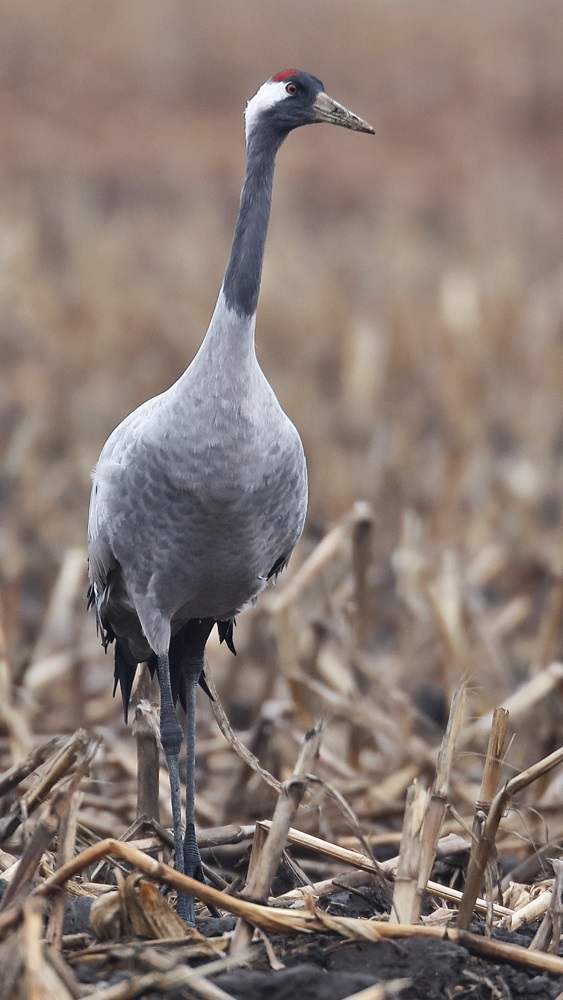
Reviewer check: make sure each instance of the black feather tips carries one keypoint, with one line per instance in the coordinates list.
(193, 634)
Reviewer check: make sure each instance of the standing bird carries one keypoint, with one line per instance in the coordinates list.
(200, 494)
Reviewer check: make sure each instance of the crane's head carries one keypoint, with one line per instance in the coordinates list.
(293, 98)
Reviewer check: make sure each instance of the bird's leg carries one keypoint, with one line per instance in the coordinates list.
(171, 737)
(192, 858)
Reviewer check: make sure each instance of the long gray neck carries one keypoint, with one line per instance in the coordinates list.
(242, 277)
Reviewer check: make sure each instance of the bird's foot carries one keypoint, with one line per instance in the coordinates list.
(192, 857)
(190, 864)
(185, 908)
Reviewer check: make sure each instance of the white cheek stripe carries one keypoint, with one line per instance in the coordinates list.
(268, 95)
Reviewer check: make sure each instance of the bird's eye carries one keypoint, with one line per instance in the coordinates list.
(290, 89)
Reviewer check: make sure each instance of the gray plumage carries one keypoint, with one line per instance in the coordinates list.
(200, 494)
(196, 495)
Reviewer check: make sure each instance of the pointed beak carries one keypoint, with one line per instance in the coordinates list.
(328, 110)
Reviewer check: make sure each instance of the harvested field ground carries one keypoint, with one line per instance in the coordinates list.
(411, 323)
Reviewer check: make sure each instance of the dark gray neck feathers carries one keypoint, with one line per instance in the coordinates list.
(241, 284)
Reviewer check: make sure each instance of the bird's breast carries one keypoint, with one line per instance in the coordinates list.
(202, 502)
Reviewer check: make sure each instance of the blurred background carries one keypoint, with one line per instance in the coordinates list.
(411, 313)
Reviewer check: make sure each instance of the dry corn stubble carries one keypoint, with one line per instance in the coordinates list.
(420, 357)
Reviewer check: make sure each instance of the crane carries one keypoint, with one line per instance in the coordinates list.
(199, 495)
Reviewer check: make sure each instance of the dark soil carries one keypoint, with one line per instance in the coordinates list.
(438, 969)
(325, 967)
